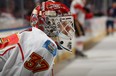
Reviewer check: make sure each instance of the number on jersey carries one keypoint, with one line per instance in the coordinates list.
(36, 63)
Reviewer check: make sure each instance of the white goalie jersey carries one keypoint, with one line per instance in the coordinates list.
(33, 55)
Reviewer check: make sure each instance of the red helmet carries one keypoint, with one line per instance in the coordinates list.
(48, 8)
(54, 18)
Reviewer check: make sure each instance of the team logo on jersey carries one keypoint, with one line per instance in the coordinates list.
(50, 47)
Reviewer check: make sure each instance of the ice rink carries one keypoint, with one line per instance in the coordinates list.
(101, 61)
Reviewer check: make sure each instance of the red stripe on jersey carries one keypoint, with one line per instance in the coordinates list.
(21, 51)
(12, 48)
(7, 51)
(78, 6)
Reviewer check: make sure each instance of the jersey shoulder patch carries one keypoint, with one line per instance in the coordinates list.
(50, 46)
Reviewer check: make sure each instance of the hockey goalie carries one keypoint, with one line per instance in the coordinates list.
(32, 52)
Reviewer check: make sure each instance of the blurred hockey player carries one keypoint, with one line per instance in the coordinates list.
(77, 10)
(32, 52)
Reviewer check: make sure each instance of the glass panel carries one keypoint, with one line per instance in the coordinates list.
(16, 13)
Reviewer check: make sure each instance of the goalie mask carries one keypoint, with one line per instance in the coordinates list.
(55, 20)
